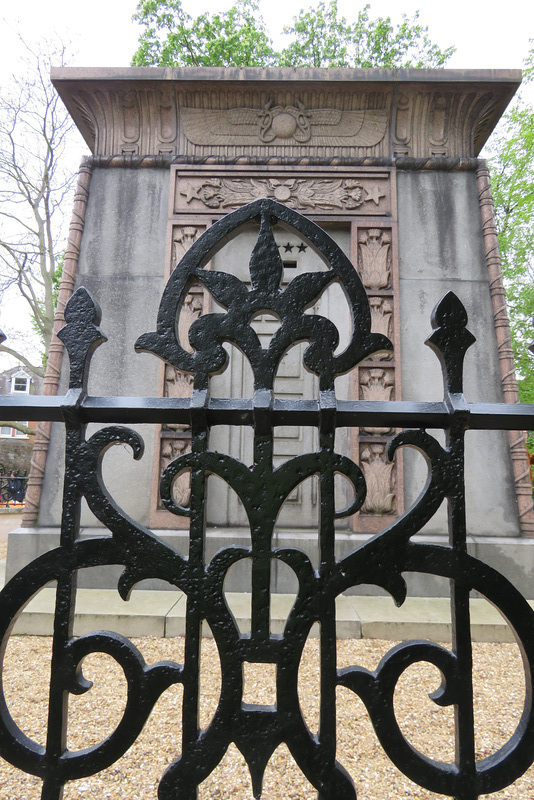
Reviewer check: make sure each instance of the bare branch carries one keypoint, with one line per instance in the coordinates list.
(18, 426)
(34, 132)
(38, 370)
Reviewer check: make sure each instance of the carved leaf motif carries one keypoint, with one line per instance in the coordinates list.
(374, 254)
(130, 116)
(190, 311)
(381, 311)
(182, 239)
(377, 384)
(171, 449)
(381, 316)
(380, 498)
(177, 383)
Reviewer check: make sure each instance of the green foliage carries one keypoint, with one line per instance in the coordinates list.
(172, 38)
(320, 37)
(323, 38)
(512, 176)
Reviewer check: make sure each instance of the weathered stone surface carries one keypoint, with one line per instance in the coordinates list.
(285, 112)
(176, 149)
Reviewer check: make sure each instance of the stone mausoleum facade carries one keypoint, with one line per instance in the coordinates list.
(384, 160)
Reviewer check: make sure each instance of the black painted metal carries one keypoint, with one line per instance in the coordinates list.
(381, 560)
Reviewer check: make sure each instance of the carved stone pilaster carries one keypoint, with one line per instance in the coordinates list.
(382, 321)
(381, 315)
(177, 383)
(176, 438)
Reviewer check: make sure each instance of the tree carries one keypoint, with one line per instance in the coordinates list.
(511, 162)
(34, 184)
(323, 38)
(320, 38)
(172, 38)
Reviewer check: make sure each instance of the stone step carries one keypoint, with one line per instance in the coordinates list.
(162, 613)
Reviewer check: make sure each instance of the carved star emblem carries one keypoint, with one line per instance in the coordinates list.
(191, 193)
(302, 247)
(288, 248)
(374, 194)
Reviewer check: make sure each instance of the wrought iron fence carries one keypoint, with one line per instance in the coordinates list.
(12, 489)
(262, 489)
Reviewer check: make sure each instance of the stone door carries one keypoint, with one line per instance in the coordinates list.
(293, 381)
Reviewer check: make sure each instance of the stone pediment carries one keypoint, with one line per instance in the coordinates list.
(230, 114)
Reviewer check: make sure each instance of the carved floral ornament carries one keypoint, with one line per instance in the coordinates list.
(374, 258)
(321, 194)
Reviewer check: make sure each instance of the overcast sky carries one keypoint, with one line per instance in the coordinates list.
(487, 36)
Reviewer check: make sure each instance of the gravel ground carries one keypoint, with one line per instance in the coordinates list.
(499, 690)
(3, 550)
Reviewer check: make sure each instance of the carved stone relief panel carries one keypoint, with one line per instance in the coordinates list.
(379, 477)
(377, 384)
(348, 193)
(283, 125)
(183, 237)
(171, 448)
(374, 258)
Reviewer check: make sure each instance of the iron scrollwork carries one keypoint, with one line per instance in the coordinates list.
(382, 560)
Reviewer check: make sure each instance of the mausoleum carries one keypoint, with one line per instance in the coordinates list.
(387, 162)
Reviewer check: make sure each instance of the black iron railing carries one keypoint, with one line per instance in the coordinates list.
(12, 489)
(262, 489)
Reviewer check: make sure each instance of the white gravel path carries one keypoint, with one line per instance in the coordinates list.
(499, 690)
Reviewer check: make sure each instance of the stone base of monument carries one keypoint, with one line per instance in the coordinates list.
(511, 556)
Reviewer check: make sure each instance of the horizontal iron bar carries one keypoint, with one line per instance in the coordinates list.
(349, 413)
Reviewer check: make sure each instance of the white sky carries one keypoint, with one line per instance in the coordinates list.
(486, 35)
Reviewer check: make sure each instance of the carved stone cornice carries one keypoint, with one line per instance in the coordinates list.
(224, 113)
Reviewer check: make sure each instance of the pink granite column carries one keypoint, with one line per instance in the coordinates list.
(506, 357)
(55, 352)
